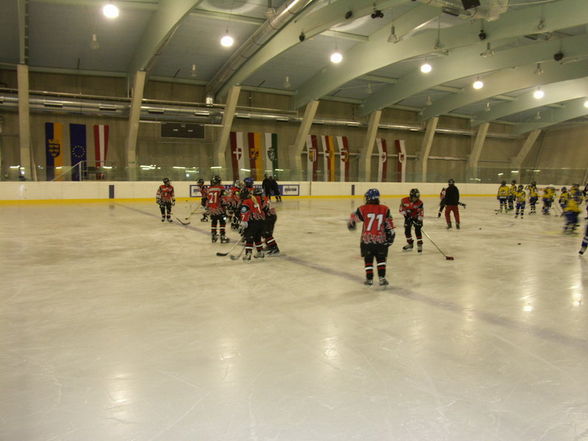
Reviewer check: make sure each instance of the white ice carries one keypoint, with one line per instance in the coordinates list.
(114, 326)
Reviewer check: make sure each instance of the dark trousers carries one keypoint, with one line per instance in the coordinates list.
(165, 206)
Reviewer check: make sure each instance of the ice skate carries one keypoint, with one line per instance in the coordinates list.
(214, 238)
(449, 226)
(383, 281)
(224, 239)
(457, 226)
(582, 251)
(247, 256)
(273, 252)
(162, 218)
(169, 219)
(408, 247)
(368, 282)
(259, 255)
(420, 247)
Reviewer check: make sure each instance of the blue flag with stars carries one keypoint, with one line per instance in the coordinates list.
(77, 139)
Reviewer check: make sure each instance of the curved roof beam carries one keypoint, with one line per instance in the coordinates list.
(506, 81)
(315, 23)
(160, 28)
(554, 93)
(573, 109)
(465, 62)
(378, 53)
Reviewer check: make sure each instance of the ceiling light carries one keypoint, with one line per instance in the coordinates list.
(227, 41)
(428, 101)
(287, 83)
(94, 43)
(538, 94)
(393, 38)
(586, 104)
(488, 107)
(336, 57)
(538, 116)
(478, 84)
(193, 71)
(539, 70)
(426, 68)
(110, 11)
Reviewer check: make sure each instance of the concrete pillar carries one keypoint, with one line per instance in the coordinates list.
(295, 151)
(219, 156)
(24, 121)
(474, 158)
(426, 146)
(133, 128)
(365, 156)
(517, 161)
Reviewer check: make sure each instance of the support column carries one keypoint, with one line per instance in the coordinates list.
(474, 158)
(517, 161)
(134, 116)
(24, 121)
(219, 157)
(426, 146)
(295, 151)
(365, 156)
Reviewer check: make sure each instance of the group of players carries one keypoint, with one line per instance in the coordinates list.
(514, 197)
(243, 205)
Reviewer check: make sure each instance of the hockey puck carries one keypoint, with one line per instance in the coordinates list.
(449, 258)
(518, 243)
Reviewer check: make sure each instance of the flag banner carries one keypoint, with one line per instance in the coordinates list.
(53, 148)
(312, 157)
(343, 144)
(238, 155)
(328, 143)
(100, 146)
(271, 152)
(253, 154)
(401, 164)
(382, 159)
(77, 141)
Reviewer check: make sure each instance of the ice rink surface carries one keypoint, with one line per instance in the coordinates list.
(114, 326)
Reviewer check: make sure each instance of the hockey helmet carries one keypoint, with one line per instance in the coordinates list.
(513, 182)
(415, 194)
(563, 189)
(248, 182)
(372, 194)
(238, 183)
(451, 181)
(201, 181)
(244, 193)
(166, 181)
(503, 183)
(521, 187)
(257, 191)
(216, 180)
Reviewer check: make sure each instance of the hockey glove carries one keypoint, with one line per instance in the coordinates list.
(173, 202)
(390, 235)
(351, 225)
(158, 201)
(243, 226)
(417, 223)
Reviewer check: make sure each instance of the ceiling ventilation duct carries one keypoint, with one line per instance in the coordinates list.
(488, 9)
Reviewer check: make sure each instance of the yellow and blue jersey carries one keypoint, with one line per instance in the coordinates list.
(503, 191)
(520, 196)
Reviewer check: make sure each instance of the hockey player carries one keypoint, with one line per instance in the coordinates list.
(268, 227)
(411, 207)
(452, 204)
(376, 236)
(232, 203)
(548, 195)
(572, 209)
(520, 199)
(533, 196)
(511, 194)
(252, 222)
(203, 191)
(216, 210)
(442, 202)
(584, 241)
(502, 195)
(563, 199)
(165, 198)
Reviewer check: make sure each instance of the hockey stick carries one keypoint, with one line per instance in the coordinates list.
(436, 246)
(238, 255)
(240, 242)
(181, 221)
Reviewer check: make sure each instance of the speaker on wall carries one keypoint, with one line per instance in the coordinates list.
(469, 4)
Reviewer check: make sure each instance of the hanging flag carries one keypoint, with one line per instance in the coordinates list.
(312, 161)
(328, 143)
(271, 152)
(255, 145)
(382, 159)
(100, 146)
(77, 141)
(237, 155)
(53, 148)
(343, 145)
(401, 164)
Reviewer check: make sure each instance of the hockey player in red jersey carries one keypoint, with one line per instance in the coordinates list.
(411, 208)
(165, 198)
(252, 221)
(203, 195)
(216, 210)
(268, 227)
(376, 236)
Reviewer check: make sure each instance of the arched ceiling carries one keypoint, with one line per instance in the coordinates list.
(179, 40)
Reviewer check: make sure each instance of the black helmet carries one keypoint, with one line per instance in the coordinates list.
(257, 191)
(201, 181)
(503, 183)
(166, 180)
(451, 181)
(216, 180)
(244, 193)
(415, 193)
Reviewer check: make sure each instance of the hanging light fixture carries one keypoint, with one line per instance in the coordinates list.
(488, 106)
(336, 57)
(94, 42)
(426, 68)
(286, 83)
(478, 84)
(428, 101)
(539, 69)
(193, 71)
(227, 40)
(110, 11)
(538, 93)
(586, 104)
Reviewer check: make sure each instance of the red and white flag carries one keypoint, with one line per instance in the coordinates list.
(238, 154)
(312, 162)
(401, 164)
(101, 144)
(382, 159)
(343, 145)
